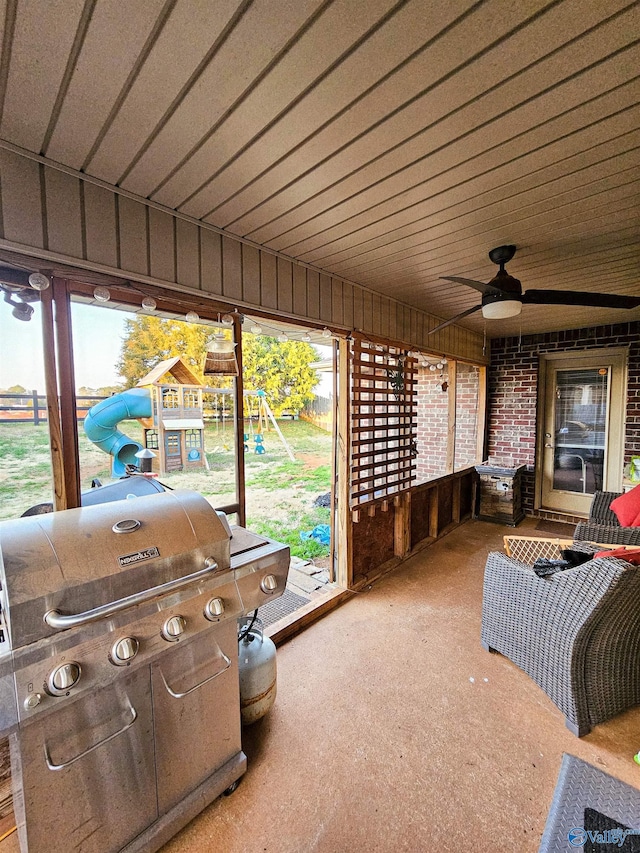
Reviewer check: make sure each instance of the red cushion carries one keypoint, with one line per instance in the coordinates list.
(627, 508)
(622, 554)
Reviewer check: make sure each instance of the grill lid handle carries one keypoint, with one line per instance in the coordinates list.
(59, 621)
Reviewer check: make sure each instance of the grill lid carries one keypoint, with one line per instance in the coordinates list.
(78, 560)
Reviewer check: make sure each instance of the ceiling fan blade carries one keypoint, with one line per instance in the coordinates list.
(477, 285)
(455, 319)
(579, 297)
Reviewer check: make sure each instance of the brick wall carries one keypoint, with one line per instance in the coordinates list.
(466, 416)
(433, 421)
(433, 410)
(513, 387)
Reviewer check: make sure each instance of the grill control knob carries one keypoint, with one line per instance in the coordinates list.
(123, 651)
(63, 678)
(269, 584)
(173, 628)
(32, 701)
(214, 609)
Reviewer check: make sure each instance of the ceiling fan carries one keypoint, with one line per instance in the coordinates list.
(503, 297)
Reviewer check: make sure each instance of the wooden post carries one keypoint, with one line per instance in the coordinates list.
(333, 544)
(402, 526)
(51, 391)
(433, 512)
(455, 503)
(68, 416)
(34, 403)
(482, 414)
(238, 422)
(344, 533)
(451, 417)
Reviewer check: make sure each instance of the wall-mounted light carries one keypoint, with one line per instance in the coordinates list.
(192, 316)
(21, 310)
(101, 294)
(38, 281)
(149, 303)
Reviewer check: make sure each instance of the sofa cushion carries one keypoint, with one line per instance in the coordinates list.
(627, 508)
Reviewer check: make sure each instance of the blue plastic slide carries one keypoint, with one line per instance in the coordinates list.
(100, 426)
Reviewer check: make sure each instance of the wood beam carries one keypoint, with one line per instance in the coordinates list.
(53, 403)
(238, 422)
(451, 417)
(67, 392)
(344, 532)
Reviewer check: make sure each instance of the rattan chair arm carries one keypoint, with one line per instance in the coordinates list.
(607, 534)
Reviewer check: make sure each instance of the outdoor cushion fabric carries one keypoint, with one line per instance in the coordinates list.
(631, 556)
(627, 508)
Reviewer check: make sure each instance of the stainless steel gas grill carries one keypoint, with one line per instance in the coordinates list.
(124, 719)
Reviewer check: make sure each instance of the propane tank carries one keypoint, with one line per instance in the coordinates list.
(257, 668)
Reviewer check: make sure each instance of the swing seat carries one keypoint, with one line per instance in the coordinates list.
(260, 448)
(258, 438)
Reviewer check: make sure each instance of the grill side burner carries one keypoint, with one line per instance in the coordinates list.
(122, 624)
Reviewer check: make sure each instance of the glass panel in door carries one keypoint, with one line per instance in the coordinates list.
(581, 404)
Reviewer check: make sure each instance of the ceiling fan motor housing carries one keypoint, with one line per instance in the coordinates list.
(506, 287)
(505, 300)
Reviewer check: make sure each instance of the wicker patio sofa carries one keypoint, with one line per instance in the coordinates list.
(603, 525)
(576, 633)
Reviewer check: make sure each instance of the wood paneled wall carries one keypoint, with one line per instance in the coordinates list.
(55, 214)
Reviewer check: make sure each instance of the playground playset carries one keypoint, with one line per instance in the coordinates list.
(171, 414)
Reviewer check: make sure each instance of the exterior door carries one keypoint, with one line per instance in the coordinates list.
(582, 441)
(173, 450)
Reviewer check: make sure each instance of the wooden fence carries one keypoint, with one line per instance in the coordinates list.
(31, 407)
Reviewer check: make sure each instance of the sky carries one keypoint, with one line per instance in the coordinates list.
(97, 337)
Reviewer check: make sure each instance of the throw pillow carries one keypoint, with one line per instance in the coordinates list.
(627, 508)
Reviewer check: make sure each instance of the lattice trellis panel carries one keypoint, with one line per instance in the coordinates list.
(383, 421)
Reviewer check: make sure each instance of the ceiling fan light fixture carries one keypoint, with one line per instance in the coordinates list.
(501, 309)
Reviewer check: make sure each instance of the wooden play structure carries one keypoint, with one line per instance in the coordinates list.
(175, 430)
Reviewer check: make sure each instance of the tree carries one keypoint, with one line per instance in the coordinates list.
(148, 340)
(281, 370)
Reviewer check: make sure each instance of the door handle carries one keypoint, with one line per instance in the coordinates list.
(548, 445)
(225, 667)
(52, 766)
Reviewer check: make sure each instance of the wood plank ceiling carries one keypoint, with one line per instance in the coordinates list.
(389, 143)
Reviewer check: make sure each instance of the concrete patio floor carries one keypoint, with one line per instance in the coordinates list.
(394, 730)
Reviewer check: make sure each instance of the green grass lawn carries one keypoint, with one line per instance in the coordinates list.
(280, 493)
